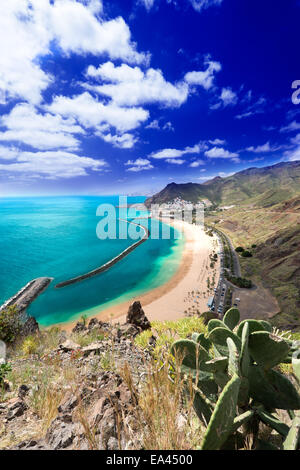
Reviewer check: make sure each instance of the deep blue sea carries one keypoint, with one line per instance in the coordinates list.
(56, 237)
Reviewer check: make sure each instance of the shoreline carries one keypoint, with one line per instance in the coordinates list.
(173, 299)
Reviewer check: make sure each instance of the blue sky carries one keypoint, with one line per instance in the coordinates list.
(125, 96)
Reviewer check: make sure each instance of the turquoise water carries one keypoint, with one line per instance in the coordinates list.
(56, 237)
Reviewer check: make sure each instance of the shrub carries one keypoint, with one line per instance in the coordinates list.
(10, 324)
(240, 281)
(4, 370)
(246, 254)
(239, 249)
(83, 319)
(30, 345)
(167, 331)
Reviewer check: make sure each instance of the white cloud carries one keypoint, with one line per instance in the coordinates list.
(78, 30)
(52, 165)
(219, 152)
(265, 148)
(95, 6)
(23, 42)
(8, 153)
(200, 5)
(92, 113)
(108, 72)
(205, 78)
(196, 164)
(155, 125)
(293, 155)
(139, 164)
(147, 3)
(296, 140)
(175, 161)
(292, 126)
(258, 107)
(138, 161)
(168, 126)
(174, 153)
(217, 142)
(228, 97)
(42, 131)
(132, 87)
(29, 27)
(123, 141)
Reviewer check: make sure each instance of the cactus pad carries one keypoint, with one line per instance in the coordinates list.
(231, 318)
(219, 336)
(221, 422)
(266, 349)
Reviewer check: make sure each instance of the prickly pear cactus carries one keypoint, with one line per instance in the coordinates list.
(221, 422)
(232, 318)
(235, 383)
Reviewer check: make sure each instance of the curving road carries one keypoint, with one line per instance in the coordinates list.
(235, 256)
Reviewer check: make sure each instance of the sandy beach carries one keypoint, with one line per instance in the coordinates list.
(185, 293)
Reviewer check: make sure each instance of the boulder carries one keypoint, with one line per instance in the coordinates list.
(23, 391)
(60, 434)
(79, 327)
(69, 346)
(137, 317)
(128, 330)
(92, 348)
(94, 323)
(16, 409)
(68, 404)
(30, 327)
(31, 445)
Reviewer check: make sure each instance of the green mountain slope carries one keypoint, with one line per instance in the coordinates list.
(275, 233)
(260, 187)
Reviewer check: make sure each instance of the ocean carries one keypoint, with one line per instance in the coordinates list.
(56, 237)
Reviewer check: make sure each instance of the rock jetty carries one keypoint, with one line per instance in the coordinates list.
(27, 294)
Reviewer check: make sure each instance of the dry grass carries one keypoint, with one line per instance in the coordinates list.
(45, 399)
(88, 430)
(164, 417)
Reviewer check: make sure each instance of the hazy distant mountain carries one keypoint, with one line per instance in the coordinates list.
(261, 187)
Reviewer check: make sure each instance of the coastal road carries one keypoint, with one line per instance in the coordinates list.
(219, 299)
(235, 256)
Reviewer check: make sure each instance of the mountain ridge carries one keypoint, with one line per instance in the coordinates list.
(262, 187)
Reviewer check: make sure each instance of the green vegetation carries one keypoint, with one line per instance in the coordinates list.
(30, 345)
(261, 187)
(4, 370)
(239, 249)
(10, 324)
(235, 384)
(168, 331)
(233, 371)
(239, 281)
(276, 258)
(247, 254)
(228, 299)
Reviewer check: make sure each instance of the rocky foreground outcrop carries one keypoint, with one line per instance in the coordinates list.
(108, 415)
(97, 409)
(136, 316)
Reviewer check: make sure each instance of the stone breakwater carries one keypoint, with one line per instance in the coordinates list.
(28, 293)
(110, 263)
